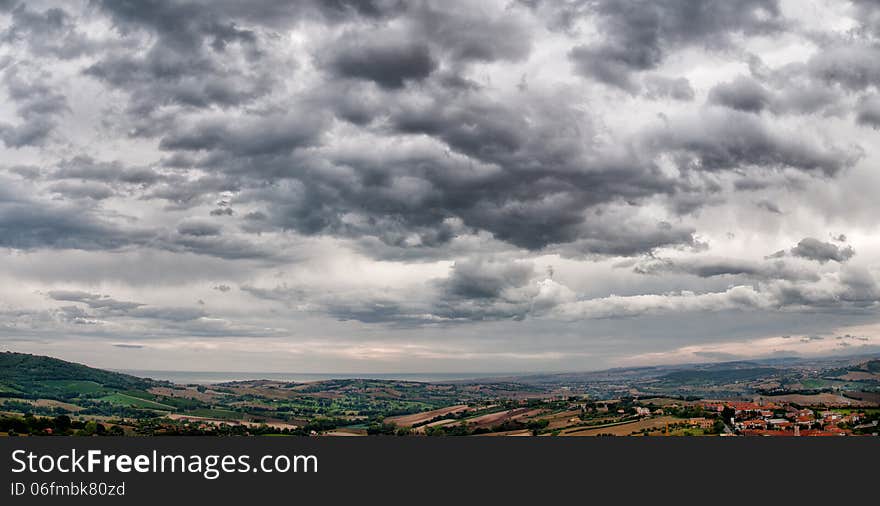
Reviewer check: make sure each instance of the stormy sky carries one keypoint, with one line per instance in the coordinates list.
(438, 186)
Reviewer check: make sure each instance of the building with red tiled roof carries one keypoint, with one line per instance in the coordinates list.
(754, 424)
(832, 431)
(777, 433)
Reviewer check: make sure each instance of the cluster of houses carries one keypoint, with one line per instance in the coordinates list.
(770, 419)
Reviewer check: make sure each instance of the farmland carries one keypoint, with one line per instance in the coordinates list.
(618, 402)
(426, 416)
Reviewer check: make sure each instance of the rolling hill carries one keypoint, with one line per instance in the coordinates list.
(32, 376)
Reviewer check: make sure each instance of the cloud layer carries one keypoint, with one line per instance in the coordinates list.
(508, 185)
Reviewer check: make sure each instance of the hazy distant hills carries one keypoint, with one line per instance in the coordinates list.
(31, 376)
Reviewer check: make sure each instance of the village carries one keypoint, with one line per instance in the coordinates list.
(786, 420)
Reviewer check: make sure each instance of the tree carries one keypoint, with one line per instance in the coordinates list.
(61, 423)
(727, 413)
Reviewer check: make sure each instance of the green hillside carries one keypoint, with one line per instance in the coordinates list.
(717, 377)
(32, 376)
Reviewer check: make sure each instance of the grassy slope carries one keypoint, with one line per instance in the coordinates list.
(44, 377)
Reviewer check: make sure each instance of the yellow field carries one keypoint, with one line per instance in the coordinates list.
(417, 418)
(623, 429)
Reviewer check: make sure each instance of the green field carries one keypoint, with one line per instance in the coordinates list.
(75, 386)
(819, 383)
(6, 389)
(847, 411)
(222, 414)
(135, 402)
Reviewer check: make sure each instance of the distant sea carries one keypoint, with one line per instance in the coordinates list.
(222, 377)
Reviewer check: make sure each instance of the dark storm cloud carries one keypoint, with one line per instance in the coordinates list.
(854, 66)
(198, 228)
(868, 14)
(167, 77)
(736, 140)
(203, 54)
(814, 249)
(187, 18)
(189, 59)
(186, 193)
(868, 112)
(389, 65)
(708, 267)
(31, 224)
(548, 174)
(637, 36)
(470, 33)
(86, 168)
(28, 224)
(482, 289)
(263, 136)
(510, 169)
(205, 239)
(51, 32)
(37, 104)
(742, 94)
(106, 306)
(630, 238)
(93, 300)
(511, 291)
(484, 279)
(543, 185)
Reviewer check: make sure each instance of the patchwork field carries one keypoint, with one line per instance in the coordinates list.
(623, 429)
(418, 418)
(826, 399)
(123, 399)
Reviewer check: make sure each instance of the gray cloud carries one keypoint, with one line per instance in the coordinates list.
(256, 137)
(709, 267)
(94, 300)
(854, 67)
(482, 279)
(38, 106)
(868, 112)
(822, 252)
(638, 36)
(466, 34)
(94, 191)
(742, 94)
(659, 87)
(736, 140)
(27, 224)
(51, 32)
(389, 65)
(198, 228)
(107, 307)
(86, 168)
